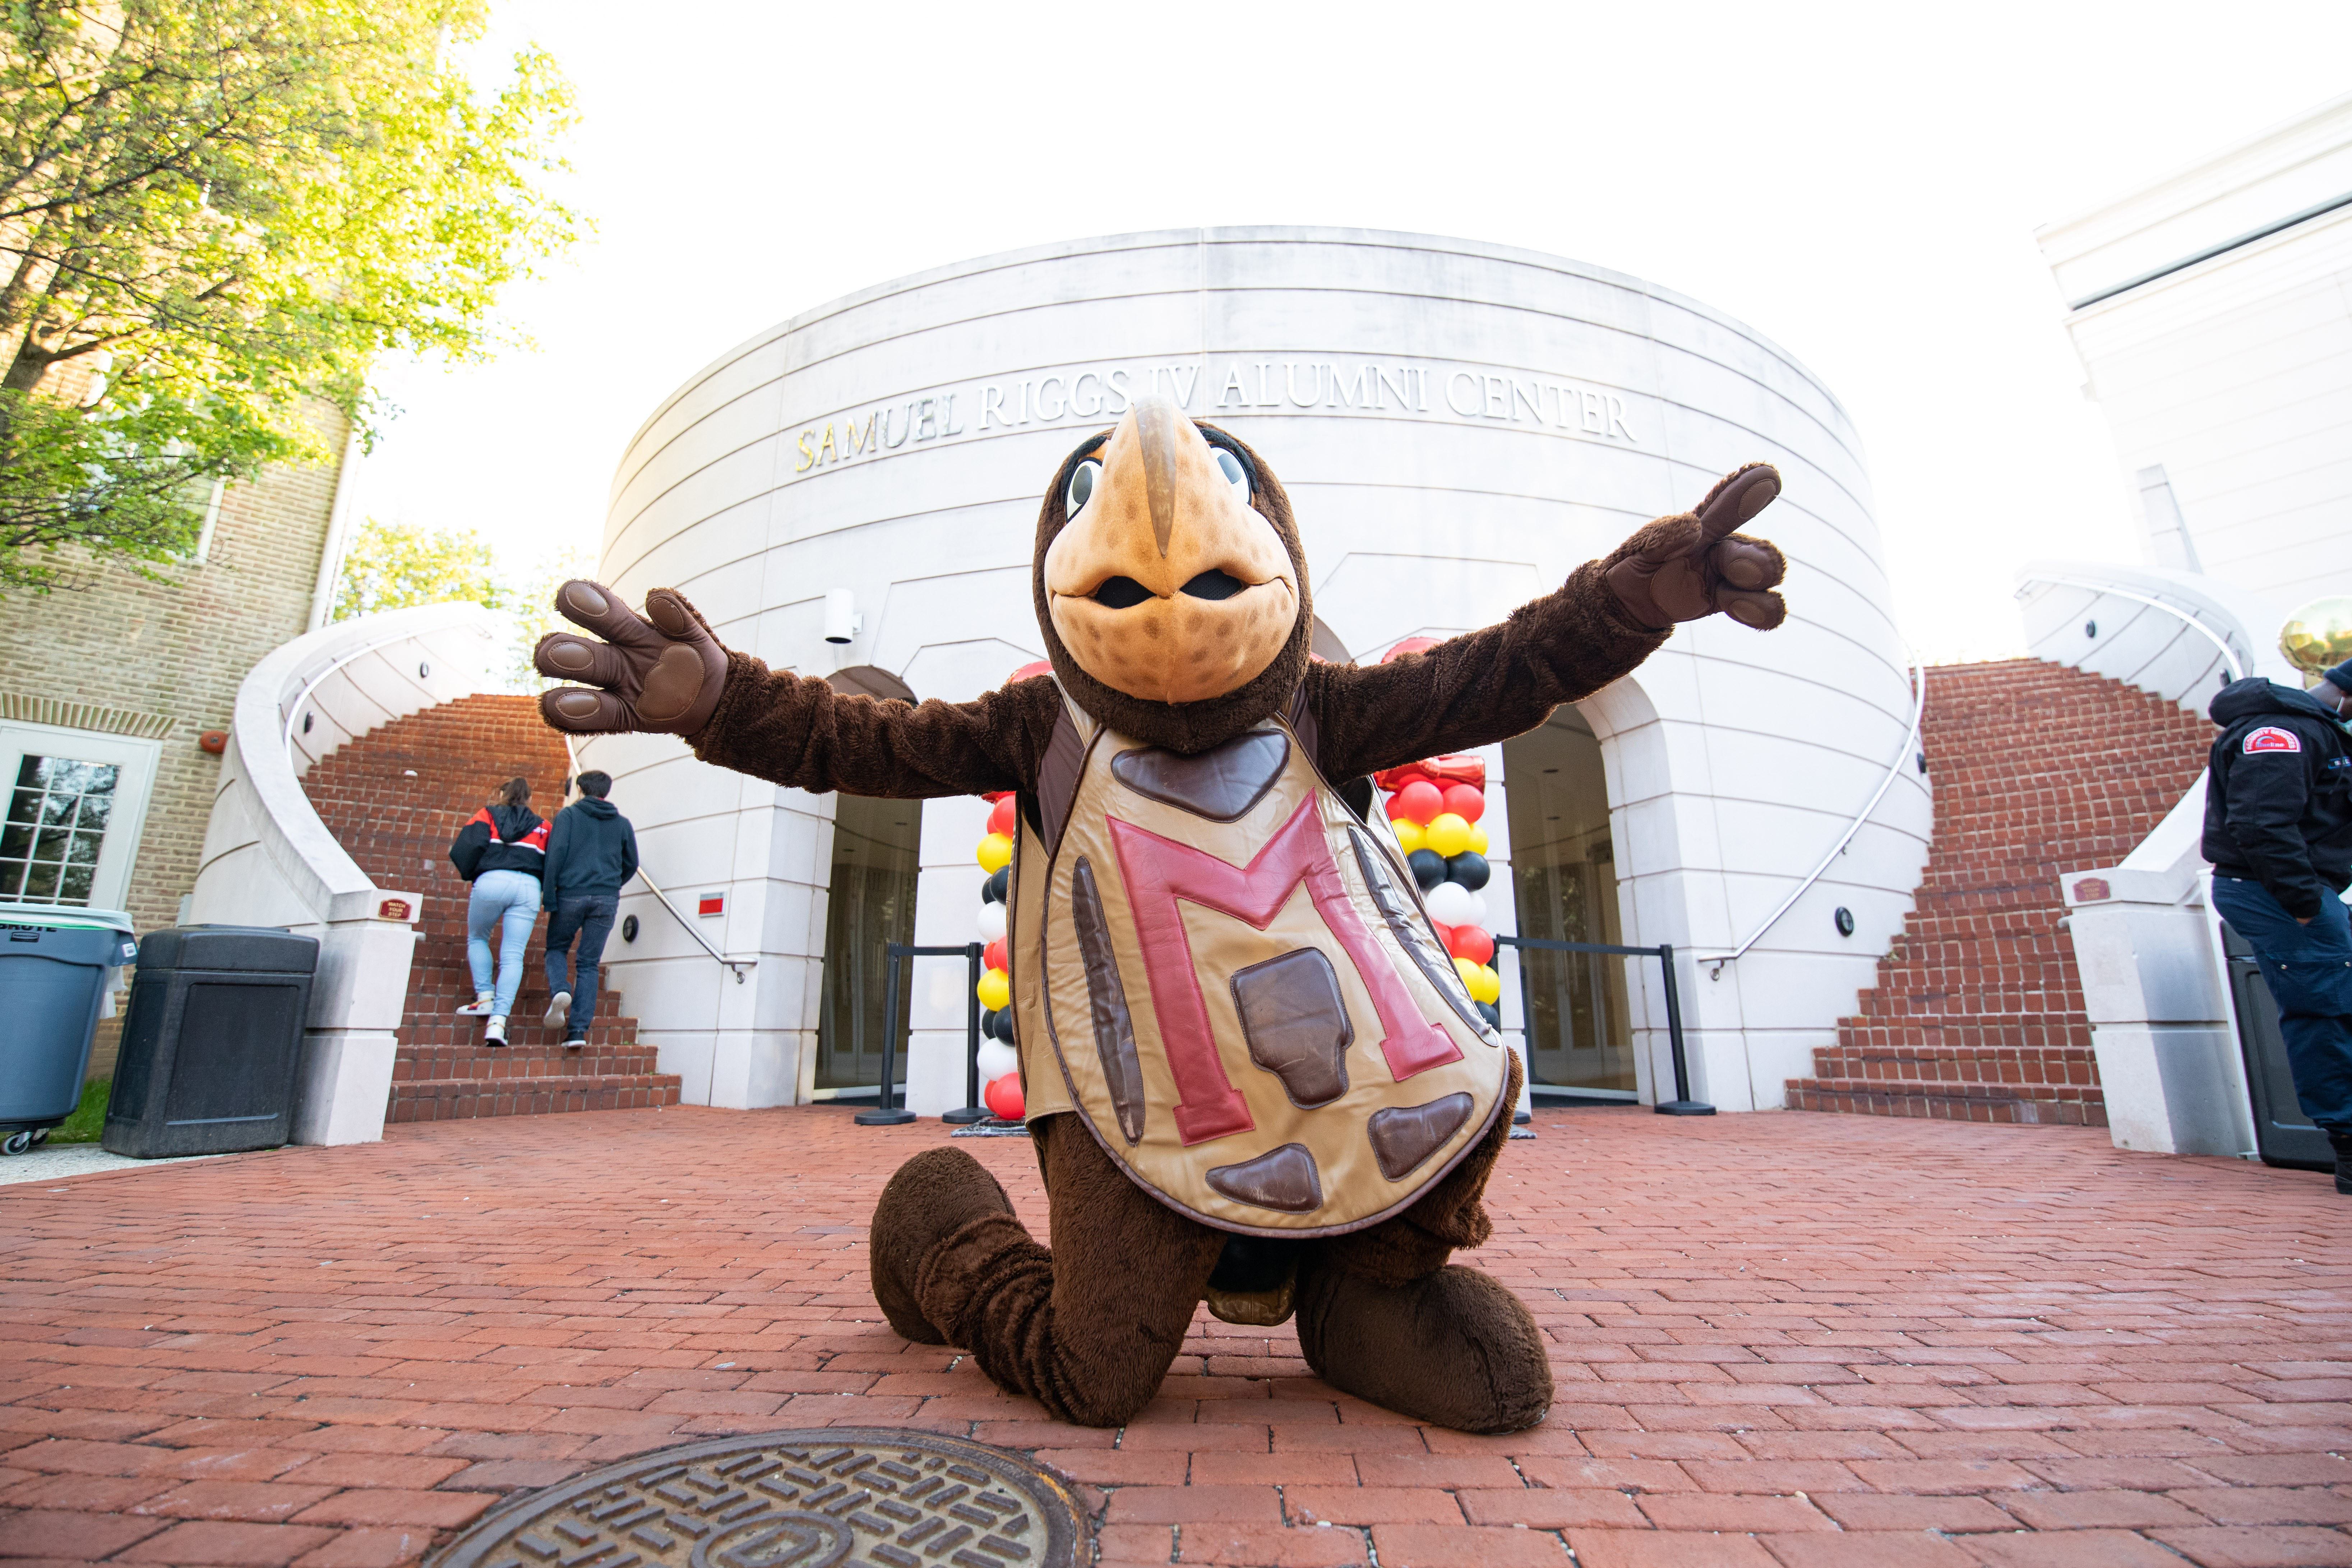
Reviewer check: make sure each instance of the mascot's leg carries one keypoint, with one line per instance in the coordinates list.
(1383, 1316)
(1087, 1330)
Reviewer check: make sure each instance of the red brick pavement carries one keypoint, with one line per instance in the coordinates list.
(1782, 1341)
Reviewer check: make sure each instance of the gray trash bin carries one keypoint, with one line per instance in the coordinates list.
(55, 961)
(2283, 1134)
(213, 1042)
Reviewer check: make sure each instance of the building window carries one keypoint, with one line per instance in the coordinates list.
(57, 822)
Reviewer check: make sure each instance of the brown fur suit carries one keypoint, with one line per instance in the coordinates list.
(1089, 1328)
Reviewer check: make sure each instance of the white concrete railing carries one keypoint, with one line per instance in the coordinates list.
(2146, 942)
(268, 861)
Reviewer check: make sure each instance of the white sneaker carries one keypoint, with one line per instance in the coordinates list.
(580, 1045)
(559, 1008)
(482, 1002)
(494, 1033)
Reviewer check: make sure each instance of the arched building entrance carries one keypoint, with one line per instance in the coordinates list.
(1564, 889)
(870, 903)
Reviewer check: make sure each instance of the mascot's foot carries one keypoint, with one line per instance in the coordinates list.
(1454, 1348)
(932, 1197)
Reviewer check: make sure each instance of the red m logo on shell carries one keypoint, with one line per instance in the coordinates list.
(1160, 871)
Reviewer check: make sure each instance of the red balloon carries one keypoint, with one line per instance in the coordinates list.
(1409, 645)
(1004, 1098)
(1417, 802)
(993, 958)
(1462, 800)
(1470, 942)
(1035, 668)
(1445, 935)
(1000, 816)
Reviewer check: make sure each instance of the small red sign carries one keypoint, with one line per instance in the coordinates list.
(711, 905)
(2090, 889)
(393, 910)
(2270, 738)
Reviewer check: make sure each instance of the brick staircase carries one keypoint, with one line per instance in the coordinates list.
(393, 799)
(1978, 1014)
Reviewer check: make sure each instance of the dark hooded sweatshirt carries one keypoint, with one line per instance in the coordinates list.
(2278, 799)
(593, 850)
(501, 838)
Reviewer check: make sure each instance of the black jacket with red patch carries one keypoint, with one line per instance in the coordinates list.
(2278, 794)
(501, 838)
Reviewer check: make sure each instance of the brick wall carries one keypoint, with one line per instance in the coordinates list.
(164, 658)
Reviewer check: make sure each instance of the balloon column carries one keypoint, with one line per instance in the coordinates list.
(1000, 1064)
(1435, 806)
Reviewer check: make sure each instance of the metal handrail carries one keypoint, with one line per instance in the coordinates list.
(1894, 771)
(321, 679)
(2229, 655)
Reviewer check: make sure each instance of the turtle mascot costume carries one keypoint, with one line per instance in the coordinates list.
(1252, 1074)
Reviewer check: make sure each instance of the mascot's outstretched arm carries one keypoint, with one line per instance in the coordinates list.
(665, 673)
(1611, 614)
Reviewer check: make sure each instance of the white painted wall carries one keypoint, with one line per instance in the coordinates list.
(1534, 411)
(2232, 376)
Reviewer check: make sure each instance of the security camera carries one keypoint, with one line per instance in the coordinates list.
(842, 621)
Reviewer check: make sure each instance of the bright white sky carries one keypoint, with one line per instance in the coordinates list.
(1860, 184)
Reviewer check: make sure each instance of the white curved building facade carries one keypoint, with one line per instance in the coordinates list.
(1458, 425)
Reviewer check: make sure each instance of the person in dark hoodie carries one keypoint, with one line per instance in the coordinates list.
(502, 851)
(2278, 830)
(590, 855)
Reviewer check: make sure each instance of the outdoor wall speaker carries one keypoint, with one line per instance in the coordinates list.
(842, 621)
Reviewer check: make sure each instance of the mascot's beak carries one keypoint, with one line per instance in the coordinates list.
(1167, 584)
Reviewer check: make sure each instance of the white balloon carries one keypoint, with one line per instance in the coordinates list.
(1478, 911)
(992, 922)
(1449, 904)
(996, 1059)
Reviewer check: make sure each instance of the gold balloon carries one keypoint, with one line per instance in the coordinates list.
(2318, 636)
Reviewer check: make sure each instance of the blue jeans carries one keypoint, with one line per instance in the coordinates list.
(509, 901)
(589, 916)
(2309, 968)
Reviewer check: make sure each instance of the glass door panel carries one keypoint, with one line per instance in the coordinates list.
(874, 862)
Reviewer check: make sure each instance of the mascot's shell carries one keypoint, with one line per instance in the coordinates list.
(1229, 977)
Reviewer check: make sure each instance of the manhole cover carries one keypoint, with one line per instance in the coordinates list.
(790, 1499)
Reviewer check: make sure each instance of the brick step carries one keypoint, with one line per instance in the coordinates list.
(2071, 1065)
(1951, 1102)
(457, 1062)
(451, 1099)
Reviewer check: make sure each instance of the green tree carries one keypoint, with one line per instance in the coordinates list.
(388, 567)
(213, 209)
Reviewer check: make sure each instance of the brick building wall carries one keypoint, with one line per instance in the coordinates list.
(163, 659)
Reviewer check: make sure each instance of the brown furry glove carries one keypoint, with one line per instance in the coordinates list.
(663, 673)
(1688, 567)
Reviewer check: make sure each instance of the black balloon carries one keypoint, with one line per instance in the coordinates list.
(998, 1025)
(1428, 868)
(1469, 869)
(994, 893)
(1491, 1014)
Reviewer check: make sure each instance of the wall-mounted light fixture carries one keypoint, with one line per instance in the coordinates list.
(842, 621)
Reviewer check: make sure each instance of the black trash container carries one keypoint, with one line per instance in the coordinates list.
(2283, 1134)
(54, 963)
(212, 1043)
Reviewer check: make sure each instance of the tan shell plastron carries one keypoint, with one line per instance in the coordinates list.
(1229, 978)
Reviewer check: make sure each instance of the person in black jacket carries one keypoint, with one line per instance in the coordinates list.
(590, 854)
(2278, 830)
(502, 851)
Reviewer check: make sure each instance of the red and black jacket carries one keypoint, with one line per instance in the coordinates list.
(501, 838)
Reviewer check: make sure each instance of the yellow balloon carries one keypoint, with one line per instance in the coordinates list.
(995, 853)
(2318, 635)
(1448, 834)
(1485, 985)
(993, 990)
(1408, 834)
(1477, 839)
(1468, 969)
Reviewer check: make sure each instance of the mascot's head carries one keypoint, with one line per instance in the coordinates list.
(1170, 585)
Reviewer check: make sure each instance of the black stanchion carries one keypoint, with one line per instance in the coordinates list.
(884, 1112)
(971, 1110)
(1682, 1104)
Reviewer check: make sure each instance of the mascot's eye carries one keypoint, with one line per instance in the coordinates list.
(1121, 594)
(1236, 475)
(1082, 486)
(1215, 584)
